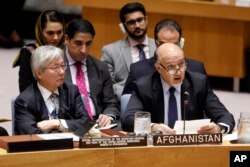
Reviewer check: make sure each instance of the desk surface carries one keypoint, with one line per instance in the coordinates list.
(192, 155)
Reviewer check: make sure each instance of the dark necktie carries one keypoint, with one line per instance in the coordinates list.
(81, 84)
(55, 102)
(142, 55)
(172, 108)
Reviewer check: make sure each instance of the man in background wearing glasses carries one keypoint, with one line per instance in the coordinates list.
(166, 30)
(49, 105)
(153, 93)
(136, 46)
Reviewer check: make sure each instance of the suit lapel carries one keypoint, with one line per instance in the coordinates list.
(91, 73)
(126, 53)
(92, 76)
(40, 103)
(67, 76)
(62, 100)
(158, 98)
(152, 48)
(185, 87)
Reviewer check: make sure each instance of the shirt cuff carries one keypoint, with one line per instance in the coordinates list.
(224, 127)
(63, 127)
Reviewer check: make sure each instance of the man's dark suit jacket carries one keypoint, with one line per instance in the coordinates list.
(146, 67)
(101, 87)
(30, 108)
(148, 96)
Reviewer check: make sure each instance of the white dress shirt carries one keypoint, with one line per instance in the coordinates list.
(166, 93)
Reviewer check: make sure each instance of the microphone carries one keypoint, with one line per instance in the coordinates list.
(185, 103)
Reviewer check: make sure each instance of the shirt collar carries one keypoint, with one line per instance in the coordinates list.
(133, 42)
(45, 92)
(167, 86)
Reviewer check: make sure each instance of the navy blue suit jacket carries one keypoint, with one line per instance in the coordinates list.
(148, 96)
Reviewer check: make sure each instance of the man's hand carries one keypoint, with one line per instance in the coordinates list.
(164, 128)
(209, 129)
(104, 120)
(48, 125)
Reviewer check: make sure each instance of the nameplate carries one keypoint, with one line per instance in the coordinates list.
(113, 142)
(187, 139)
(24, 143)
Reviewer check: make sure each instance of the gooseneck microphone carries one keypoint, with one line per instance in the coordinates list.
(185, 103)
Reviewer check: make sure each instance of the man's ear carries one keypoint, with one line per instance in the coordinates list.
(146, 19)
(38, 73)
(158, 67)
(66, 39)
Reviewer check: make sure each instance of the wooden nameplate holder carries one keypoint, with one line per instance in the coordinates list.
(24, 143)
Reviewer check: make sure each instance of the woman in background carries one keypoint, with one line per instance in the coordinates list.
(50, 30)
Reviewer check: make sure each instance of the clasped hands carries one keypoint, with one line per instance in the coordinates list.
(48, 125)
(207, 129)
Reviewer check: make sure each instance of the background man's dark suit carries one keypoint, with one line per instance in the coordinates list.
(148, 96)
(100, 84)
(146, 67)
(30, 104)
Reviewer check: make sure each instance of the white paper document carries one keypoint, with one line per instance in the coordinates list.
(191, 126)
(105, 127)
(58, 136)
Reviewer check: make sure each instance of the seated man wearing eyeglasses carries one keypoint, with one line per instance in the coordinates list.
(49, 105)
(165, 92)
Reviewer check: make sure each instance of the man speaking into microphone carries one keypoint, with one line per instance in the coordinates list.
(49, 105)
(172, 91)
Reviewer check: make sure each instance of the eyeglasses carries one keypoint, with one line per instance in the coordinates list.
(133, 22)
(58, 68)
(174, 69)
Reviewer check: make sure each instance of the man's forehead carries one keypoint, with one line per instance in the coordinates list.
(173, 60)
(134, 15)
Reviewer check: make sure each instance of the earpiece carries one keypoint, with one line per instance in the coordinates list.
(122, 28)
(181, 43)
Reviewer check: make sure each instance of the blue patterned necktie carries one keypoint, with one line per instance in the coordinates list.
(172, 108)
(55, 101)
(142, 55)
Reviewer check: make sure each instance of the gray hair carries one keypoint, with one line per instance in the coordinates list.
(44, 55)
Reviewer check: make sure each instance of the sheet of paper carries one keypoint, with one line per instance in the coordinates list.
(229, 137)
(106, 127)
(58, 136)
(191, 126)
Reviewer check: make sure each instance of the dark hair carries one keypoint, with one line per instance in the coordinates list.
(168, 24)
(129, 8)
(155, 56)
(79, 25)
(45, 17)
